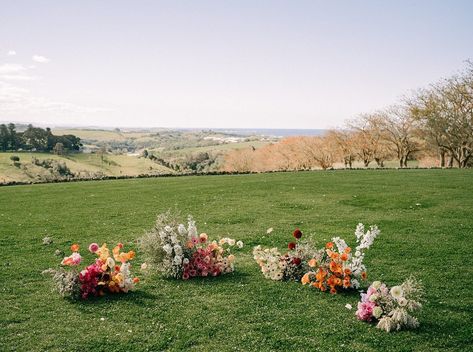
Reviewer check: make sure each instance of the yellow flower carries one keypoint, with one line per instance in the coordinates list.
(103, 252)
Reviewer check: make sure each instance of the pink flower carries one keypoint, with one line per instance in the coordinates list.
(365, 310)
(93, 247)
(195, 240)
(73, 259)
(185, 276)
(371, 290)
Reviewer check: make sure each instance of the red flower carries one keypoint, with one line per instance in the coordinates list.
(296, 261)
(291, 245)
(297, 233)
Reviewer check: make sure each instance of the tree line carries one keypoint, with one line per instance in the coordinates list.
(433, 122)
(36, 139)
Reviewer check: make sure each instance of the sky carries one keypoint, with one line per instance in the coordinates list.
(222, 64)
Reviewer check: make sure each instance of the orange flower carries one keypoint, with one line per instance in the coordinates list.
(344, 257)
(312, 263)
(347, 271)
(338, 281)
(322, 288)
(329, 245)
(190, 244)
(131, 255)
(331, 281)
(364, 276)
(321, 274)
(347, 250)
(346, 282)
(136, 280)
(305, 279)
(75, 247)
(333, 290)
(335, 256)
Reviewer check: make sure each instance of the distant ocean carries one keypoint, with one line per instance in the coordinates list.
(271, 132)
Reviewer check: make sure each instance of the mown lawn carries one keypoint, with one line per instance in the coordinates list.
(426, 219)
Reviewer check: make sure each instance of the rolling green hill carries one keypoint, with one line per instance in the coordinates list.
(424, 215)
(82, 164)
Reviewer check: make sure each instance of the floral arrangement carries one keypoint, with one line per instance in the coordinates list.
(391, 308)
(177, 251)
(336, 266)
(331, 268)
(101, 277)
(291, 265)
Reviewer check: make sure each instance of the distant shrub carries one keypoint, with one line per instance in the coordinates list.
(15, 158)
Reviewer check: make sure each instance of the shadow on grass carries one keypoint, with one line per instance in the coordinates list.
(235, 277)
(138, 297)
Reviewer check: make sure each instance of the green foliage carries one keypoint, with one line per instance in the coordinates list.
(426, 222)
(36, 139)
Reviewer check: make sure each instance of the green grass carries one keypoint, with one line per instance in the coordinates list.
(242, 311)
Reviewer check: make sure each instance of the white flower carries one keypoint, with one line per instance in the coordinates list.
(396, 292)
(355, 283)
(178, 260)
(173, 238)
(110, 262)
(231, 242)
(178, 249)
(167, 228)
(47, 240)
(376, 284)
(348, 306)
(144, 266)
(377, 312)
(239, 244)
(181, 229)
(268, 231)
(402, 301)
(340, 243)
(357, 253)
(185, 261)
(167, 248)
(373, 297)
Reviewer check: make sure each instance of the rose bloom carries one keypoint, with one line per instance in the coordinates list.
(203, 237)
(291, 245)
(297, 234)
(296, 261)
(93, 247)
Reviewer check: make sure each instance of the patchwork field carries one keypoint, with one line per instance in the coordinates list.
(425, 217)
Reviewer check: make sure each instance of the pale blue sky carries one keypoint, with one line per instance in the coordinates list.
(266, 64)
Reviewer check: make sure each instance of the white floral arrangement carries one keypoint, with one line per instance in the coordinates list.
(177, 251)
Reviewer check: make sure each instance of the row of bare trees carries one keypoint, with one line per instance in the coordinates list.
(433, 122)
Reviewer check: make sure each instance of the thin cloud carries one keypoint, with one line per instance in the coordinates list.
(40, 59)
(19, 102)
(15, 72)
(11, 68)
(11, 53)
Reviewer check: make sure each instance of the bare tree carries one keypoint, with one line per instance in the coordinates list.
(445, 111)
(398, 127)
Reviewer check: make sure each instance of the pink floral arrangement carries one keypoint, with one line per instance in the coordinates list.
(391, 308)
(104, 275)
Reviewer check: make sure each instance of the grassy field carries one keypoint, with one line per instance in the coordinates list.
(112, 165)
(425, 217)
